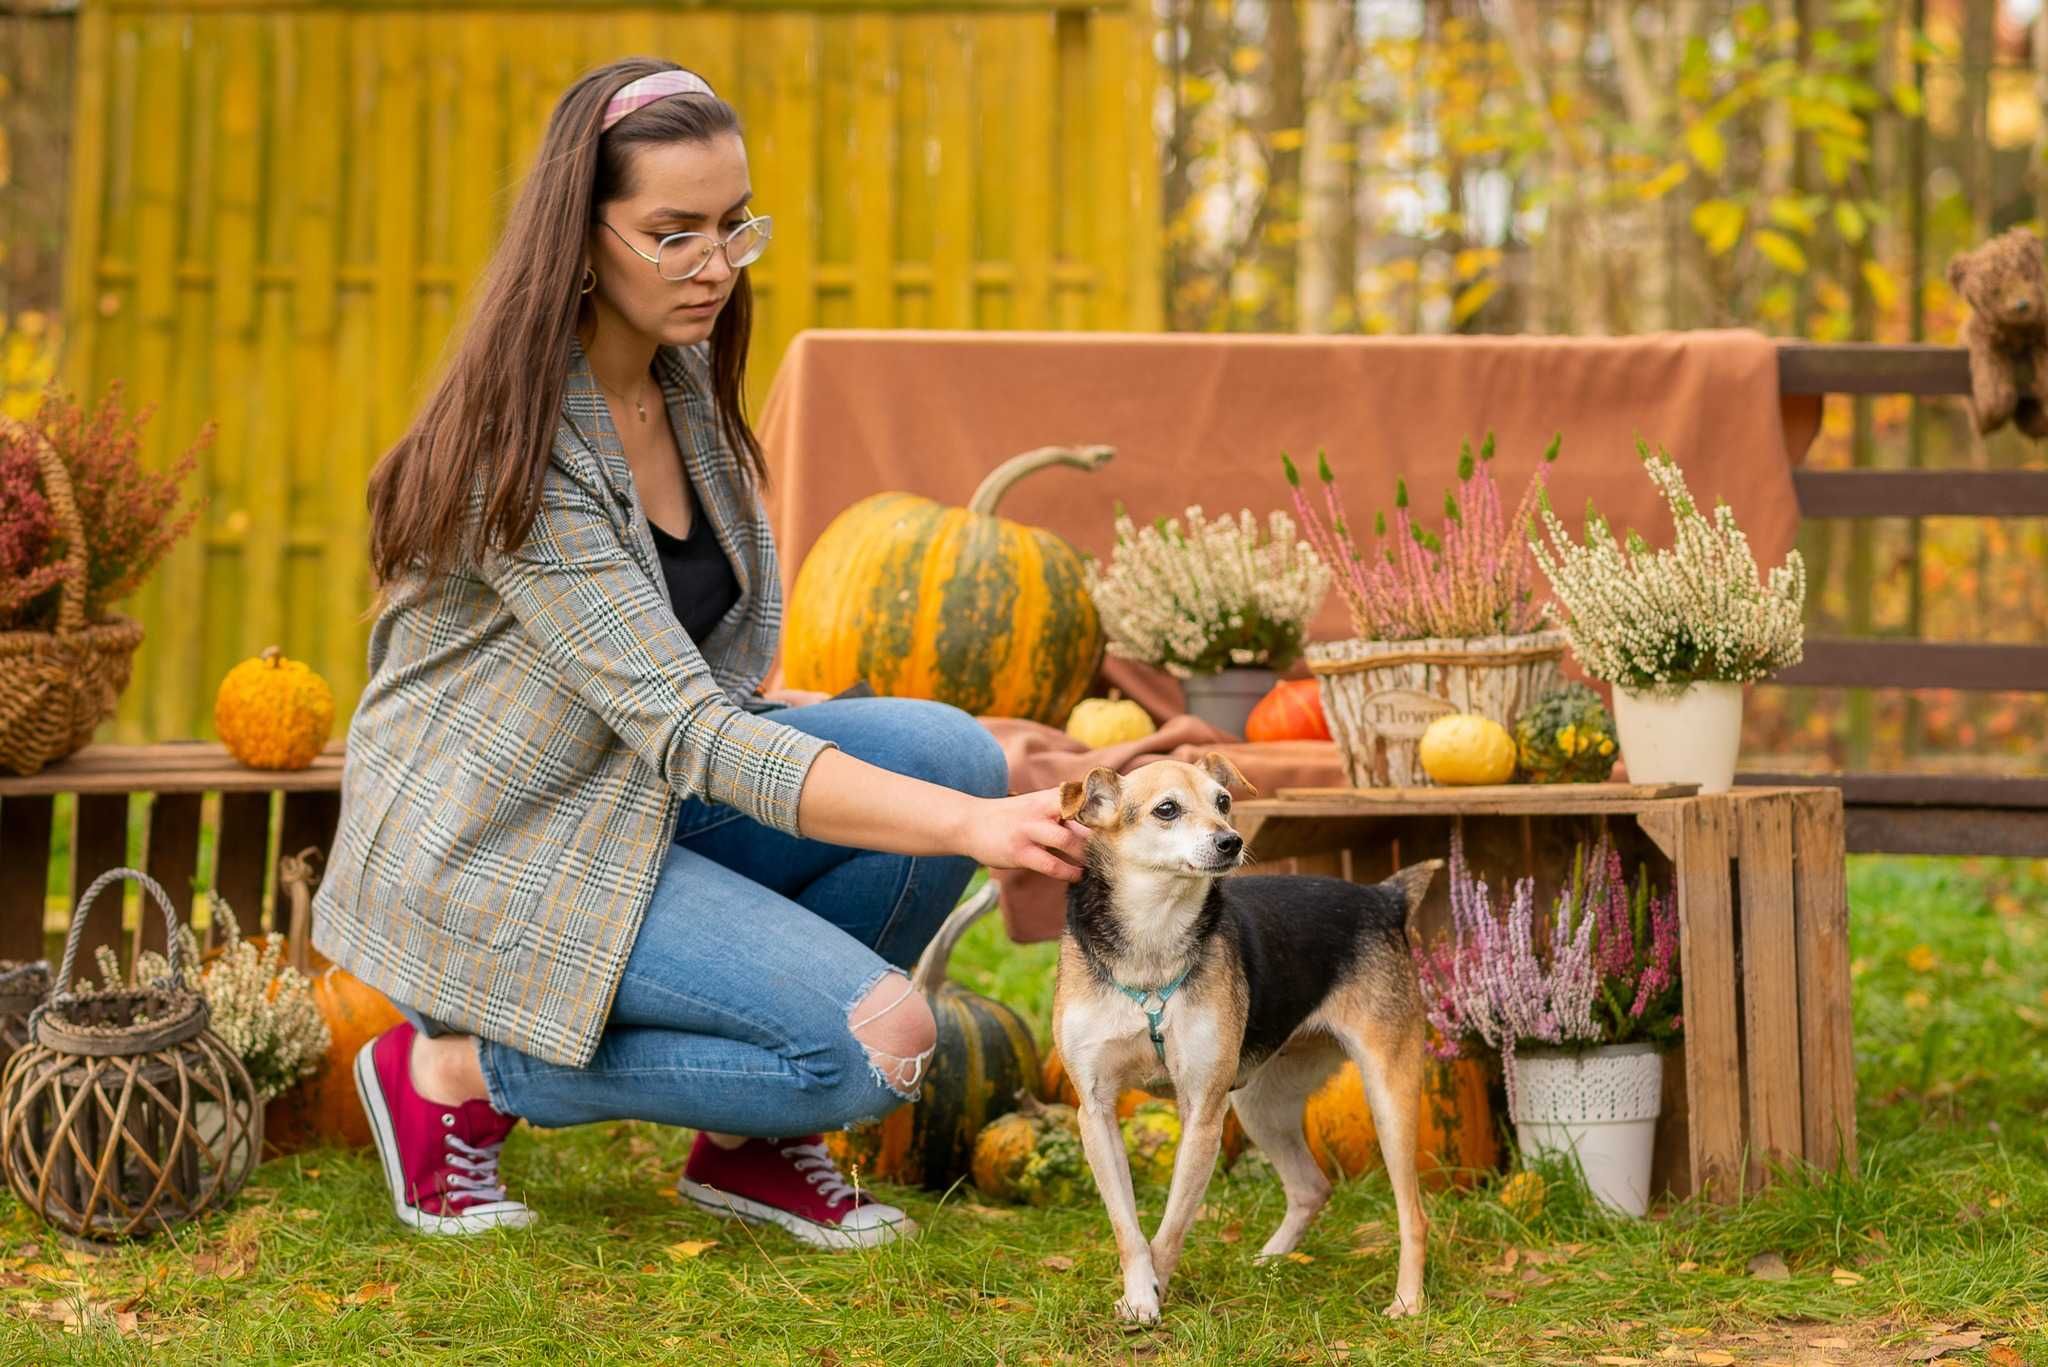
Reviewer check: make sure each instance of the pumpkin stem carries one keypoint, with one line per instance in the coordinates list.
(1016, 467)
(930, 974)
(295, 875)
(271, 656)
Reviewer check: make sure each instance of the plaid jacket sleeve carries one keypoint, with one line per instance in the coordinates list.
(600, 621)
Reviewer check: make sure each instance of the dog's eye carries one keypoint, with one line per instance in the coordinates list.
(1166, 811)
(1223, 802)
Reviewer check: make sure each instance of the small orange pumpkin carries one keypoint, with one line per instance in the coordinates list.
(1292, 711)
(274, 713)
(1457, 1141)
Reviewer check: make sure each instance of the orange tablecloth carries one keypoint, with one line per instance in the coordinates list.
(1202, 419)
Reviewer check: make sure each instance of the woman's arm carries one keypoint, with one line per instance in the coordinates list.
(848, 801)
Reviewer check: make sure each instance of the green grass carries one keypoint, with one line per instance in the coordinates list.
(1943, 1226)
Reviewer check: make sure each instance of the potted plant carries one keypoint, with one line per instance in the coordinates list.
(82, 523)
(1580, 1007)
(1443, 622)
(1676, 631)
(1222, 605)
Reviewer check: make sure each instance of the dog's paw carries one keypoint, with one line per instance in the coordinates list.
(1401, 1308)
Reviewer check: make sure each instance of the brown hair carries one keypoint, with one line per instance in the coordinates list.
(491, 417)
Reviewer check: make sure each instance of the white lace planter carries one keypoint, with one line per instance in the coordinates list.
(1600, 1108)
(1380, 696)
(1691, 736)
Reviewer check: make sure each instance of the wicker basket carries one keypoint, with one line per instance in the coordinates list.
(1380, 696)
(124, 1114)
(56, 687)
(22, 989)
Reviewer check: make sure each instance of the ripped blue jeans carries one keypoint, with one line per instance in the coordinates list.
(733, 1012)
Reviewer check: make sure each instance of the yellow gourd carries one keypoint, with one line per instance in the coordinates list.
(1466, 749)
(274, 713)
(1097, 722)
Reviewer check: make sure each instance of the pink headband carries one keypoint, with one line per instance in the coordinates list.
(645, 91)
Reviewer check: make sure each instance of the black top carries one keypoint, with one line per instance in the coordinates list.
(701, 584)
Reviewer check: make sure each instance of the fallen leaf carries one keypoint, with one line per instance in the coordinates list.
(1844, 1277)
(78, 1257)
(690, 1248)
(311, 1174)
(988, 1212)
(1598, 1275)
(1058, 1262)
(49, 1273)
(1834, 1343)
(1613, 1360)
(372, 1291)
(321, 1300)
(1688, 1266)
(301, 1213)
(1714, 1357)
(1231, 1232)
(1995, 1202)
(649, 1268)
(1299, 1257)
(1502, 1294)
(1684, 1331)
(1531, 1277)
(1770, 1267)
(2004, 1356)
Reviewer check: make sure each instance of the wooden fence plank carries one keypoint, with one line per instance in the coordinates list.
(1770, 983)
(1921, 493)
(1027, 190)
(1837, 662)
(242, 855)
(1871, 368)
(25, 824)
(99, 841)
(1827, 1041)
(173, 859)
(874, 154)
(1707, 952)
(952, 261)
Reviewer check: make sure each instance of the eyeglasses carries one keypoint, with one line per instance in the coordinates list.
(681, 255)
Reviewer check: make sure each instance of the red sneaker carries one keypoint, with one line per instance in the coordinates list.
(441, 1161)
(792, 1183)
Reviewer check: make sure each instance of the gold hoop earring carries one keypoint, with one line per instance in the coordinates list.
(589, 280)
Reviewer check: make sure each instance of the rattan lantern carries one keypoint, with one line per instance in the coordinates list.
(124, 1114)
(22, 989)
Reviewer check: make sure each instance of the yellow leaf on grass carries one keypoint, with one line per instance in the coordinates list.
(372, 1291)
(690, 1248)
(1714, 1357)
(1615, 1360)
(1058, 1262)
(1301, 1258)
(1920, 958)
(1844, 1277)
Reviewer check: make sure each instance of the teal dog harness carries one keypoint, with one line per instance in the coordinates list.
(1154, 1013)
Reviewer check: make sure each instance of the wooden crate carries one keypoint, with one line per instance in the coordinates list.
(177, 775)
(1767, 1070)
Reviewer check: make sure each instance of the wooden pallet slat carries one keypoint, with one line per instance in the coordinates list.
(1770, 984)
(173, 859)
(1713, 1063)
(25, 826)
(1827, 1041)
(99, 841)
(241, 858)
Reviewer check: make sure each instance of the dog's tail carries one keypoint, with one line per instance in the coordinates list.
(1413, 883)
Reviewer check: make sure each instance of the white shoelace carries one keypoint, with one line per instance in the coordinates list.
(476, 1178)
(820, 1171)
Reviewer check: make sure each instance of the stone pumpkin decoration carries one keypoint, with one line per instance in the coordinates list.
(983, 1055)
(954, 604)
(274, 713)
(324, 1108)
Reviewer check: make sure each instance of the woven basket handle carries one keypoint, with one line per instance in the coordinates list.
(63, 507)
(61, 985)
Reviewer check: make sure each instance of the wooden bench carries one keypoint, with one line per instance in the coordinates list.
(1899, 812)
(178, 775)
(1767, 1071)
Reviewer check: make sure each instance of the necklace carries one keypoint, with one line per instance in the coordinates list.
(638, 405)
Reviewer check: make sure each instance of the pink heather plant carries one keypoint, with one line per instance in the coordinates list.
(1472, 580)
(1611, 975)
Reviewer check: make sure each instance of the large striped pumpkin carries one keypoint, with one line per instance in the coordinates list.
(984, 1054)
(1456, 1146)
(957, 604)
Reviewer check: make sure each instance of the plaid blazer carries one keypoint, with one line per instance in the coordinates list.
(531, 725)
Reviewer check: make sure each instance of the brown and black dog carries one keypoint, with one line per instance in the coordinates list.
(1247, 990)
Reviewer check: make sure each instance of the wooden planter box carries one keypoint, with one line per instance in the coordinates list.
(1767, 1070)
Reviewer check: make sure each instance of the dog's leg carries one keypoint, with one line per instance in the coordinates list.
(1194, 1163)
(1270, 1107)
(1102, 1139)
(1389, 1059)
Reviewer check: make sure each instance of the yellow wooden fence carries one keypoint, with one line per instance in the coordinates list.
(278, 208)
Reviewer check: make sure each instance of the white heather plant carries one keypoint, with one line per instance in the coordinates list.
(1653, 621)
(1213, 596)
(261, 1007)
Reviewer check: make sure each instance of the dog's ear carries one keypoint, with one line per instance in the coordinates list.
(1091, 800)
(1220, 768)
(1413, 882)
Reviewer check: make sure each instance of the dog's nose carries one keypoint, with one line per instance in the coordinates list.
(2022, 305)
(1229, 843)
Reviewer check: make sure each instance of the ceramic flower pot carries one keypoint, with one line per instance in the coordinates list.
(1600, 1108)
(1226, 698)
(1691, 736)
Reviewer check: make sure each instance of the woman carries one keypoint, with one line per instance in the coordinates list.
(602, 878)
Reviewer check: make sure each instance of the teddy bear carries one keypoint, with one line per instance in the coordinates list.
(2006, 287)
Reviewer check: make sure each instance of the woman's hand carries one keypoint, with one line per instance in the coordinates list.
(795, 697)
(1025, 832)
